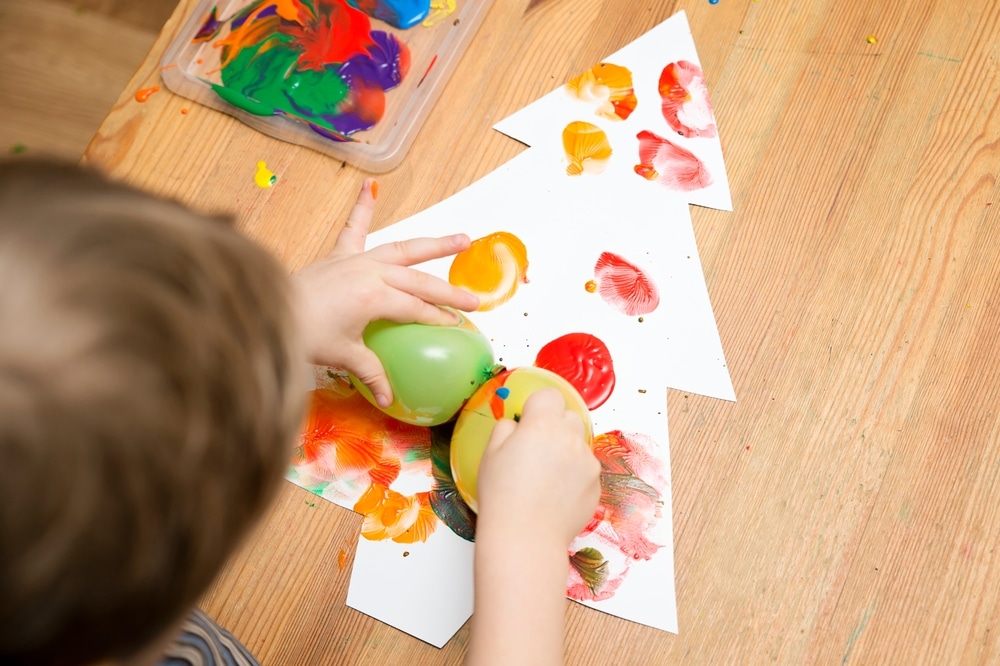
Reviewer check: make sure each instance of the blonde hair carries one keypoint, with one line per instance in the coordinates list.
(151, 386)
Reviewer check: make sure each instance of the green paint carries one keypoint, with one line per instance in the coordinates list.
(937, 57)
(267, 81)
(592, 567)
(853, 638)
(18, 148)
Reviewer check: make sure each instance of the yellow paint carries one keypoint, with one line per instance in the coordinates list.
(492, 268)
(584, 142)
(264, 178)
(440, 9)
(872, 39)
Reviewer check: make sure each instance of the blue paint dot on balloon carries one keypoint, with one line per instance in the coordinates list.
(503, 392)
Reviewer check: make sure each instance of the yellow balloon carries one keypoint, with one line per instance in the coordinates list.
(502, 397)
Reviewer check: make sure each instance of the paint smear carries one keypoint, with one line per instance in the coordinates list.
(585, 362)
(319, 62)
(264, 177)
(624, 286)
(586, 146)
(672, 166)
(445, 499)
(440, 10)
(145, 93)
(633, 481)
(610, 86)
(492, 268)
(351, 452)
(400, 14)
(341, 559)
(685, 103)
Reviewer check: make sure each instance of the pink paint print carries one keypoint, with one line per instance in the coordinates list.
(670, 165)
(624, 286)
(686, 106)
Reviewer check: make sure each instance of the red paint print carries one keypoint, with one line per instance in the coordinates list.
(625, 286)
(585, 362)
(686, 106)
(670, 165)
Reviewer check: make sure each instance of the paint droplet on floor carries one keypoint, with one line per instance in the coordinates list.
(406, 553)
(18, 148)
(264, 178)
(145, 93)
(184, 112)
(591, 286)
(872, 39)
(342, 559)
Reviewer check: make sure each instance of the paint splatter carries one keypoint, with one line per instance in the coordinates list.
(264, 178)
(341, 559)
(445, 499)
(633, 480)
(318, 62)
(493, 267)
(585, 362)
(586, 146)
(872, 39)
(590, 286)
(625, 286)
(145, 93)
(672, 166)
(18, 148)
(610, 86)
(685, 103)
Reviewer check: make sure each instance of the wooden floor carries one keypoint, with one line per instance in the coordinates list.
(64, 64)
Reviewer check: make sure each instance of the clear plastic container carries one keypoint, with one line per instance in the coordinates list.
(191, 69)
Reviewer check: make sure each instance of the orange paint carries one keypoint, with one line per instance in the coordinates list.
(611, 86)
(374, 189)
(391, 515)
(492, 268)
(170, 66)
(342, 559)
(146, 93)
(591, 286)
(586, 146)
(184, 112)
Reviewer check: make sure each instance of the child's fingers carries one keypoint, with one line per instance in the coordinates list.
(367, 368)
(352, 237)
(502, 431)
(419, 250)
(544, 403)
(429, 288)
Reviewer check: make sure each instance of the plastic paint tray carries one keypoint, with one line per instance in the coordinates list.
(189, 69)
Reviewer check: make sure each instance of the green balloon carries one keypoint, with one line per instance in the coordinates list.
(433, 370)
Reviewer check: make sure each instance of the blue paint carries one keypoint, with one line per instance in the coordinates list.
(713, 2)
(503, 392)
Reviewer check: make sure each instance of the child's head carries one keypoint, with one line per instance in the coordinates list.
(150, 389)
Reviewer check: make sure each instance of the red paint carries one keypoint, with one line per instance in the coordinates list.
(429, 67)
(585, 362)
(670, 165)
(145, 93)
(336, 33)
(685, 104)
(625, 286)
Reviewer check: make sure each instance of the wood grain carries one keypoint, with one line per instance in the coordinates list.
(60, 72)
(844, 510)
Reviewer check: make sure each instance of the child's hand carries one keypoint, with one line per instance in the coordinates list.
(338, 296)
(538, 477)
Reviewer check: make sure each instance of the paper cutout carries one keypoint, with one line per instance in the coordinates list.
(580, 232)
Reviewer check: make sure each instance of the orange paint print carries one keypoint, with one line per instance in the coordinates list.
(391, 515)
(586, 146)
(492, 268)
(611, 86)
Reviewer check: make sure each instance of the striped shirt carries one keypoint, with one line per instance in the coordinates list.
(201, 642)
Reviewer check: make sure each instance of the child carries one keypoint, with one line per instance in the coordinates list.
(144, 348)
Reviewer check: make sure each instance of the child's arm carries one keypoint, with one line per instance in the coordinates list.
(539, 484)
(338, 296)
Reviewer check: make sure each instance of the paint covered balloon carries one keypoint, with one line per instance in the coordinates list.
(432, 370)
(502, 397)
